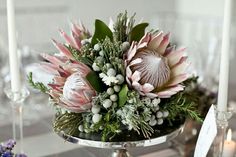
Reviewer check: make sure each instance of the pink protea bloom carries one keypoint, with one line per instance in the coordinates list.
(78, 33)
(69, 88)
(155, 69)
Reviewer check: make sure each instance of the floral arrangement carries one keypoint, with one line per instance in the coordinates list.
(120, 79)
(6, 149)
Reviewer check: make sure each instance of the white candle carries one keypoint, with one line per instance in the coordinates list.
(224, 62)
(229, 146)
(13, 57)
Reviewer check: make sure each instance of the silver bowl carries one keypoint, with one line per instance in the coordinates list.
(120, 147)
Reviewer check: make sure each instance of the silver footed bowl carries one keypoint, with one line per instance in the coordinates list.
(93, 140)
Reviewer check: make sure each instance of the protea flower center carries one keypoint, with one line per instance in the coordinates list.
(154, 68)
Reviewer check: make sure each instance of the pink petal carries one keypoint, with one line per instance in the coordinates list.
(145, 39)
(169, 50)
(53, 59)
(175, 56)
(76, 41)
(168, 92)
(50, 68)
(136, 86)
(179, 69)
(136, 76)
(62, 49)
(75, 29)
(177, 79)
(128, 72)
(59, 80)
(151, 95)
(165, 94)
(176, 88)
(162, 47)
(68, 39)
(147, 87)
(132, 51)
(136, 61)
(142, 45)
(155, 41)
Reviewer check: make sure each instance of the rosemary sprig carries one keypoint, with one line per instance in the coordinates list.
(37, 85)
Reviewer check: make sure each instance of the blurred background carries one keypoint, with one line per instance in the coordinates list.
(196, 25)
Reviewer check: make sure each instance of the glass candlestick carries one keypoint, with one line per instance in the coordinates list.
(17, 99)
(222, 121)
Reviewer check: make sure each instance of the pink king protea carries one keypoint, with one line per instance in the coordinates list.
(69, 88)
(155, 69)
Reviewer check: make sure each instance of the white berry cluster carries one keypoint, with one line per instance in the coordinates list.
(157, 117)
(107, 72)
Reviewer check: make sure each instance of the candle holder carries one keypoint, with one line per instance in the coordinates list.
(222, 121)
(17, 99)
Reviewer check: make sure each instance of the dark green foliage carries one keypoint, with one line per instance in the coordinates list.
(95, 81)
(123, 95)
(137, 32)
(101, 32)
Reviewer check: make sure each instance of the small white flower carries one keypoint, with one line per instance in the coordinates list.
(95, 109)
(108, 80)
(96, 118)
(95, 67)
(102, 75)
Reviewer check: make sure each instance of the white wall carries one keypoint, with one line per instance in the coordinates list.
(38, 20)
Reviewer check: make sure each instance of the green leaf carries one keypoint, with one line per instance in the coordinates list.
(107, 117)
(137, 32)
(95, 81)
(101, 32)
(123, 95)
